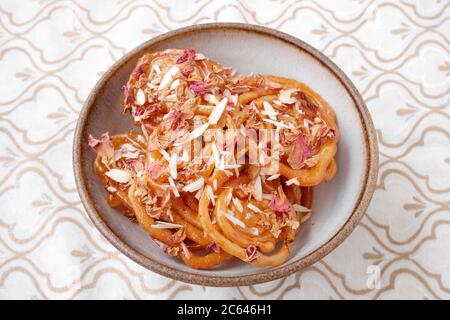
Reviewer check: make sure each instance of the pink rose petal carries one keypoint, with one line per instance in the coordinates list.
(299, 153)
(187, 54)
(198, 87)
(214, 247)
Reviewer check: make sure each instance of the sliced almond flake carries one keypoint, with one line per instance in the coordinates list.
(199, 56)
(292, 181)
(228, 199)
(300, 208)
(169, 214)
(211, 98)
(235, 220)
(185, 156)
(254, 208)
(175, 84)
(165, 225)
(254, 231)
(285, 96)
(277, 123)
(269, 110)
(197, 132)
(273, 177)
(140, 97)
(194, 186)
(267, 196)
(119, 175)
(165, 155)
(234, 99)
(215, 184)
(170, 98)
(173, 165)
(174, 187)
(198, 195)
(208, 74)
(228, 173)
(144, 131)
(217, 112)
(258, 188)
(168, 77)
(305, 217)
(185, 249)
(238, 204)
(216, 154)
(231, 166)
(210, 194)
(140, 139)
(111, 189)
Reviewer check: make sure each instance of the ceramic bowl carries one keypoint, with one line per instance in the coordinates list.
(338, 205)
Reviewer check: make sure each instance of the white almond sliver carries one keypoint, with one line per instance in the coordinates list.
(165, 155)
(254, 208)
(140, 97)
(174, 187)
(199, 56)
(300, 208)
(170, 98)
(258, 189)
(235, 220)
(267, 196)
(217, 112)
(254, 231)
(175, 84)
(292, 181)
(118, 175)
(197, 132)
(186, 252)
(273, 177)
(111, 189)
(285, 96)
(211, 98)
(165, 225)
(269, 110)
(238, 204)
(168, 77)
(277, 123)
(173, 166)
(194, 186)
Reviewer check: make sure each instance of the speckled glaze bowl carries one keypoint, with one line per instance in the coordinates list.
(338, 205)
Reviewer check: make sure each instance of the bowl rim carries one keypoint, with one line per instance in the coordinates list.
(366, 192)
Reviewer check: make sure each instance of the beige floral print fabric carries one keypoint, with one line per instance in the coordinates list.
(53, 52)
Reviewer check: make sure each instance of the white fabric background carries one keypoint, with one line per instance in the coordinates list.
(53, 52)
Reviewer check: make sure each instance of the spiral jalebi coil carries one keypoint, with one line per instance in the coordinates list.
(184, 176)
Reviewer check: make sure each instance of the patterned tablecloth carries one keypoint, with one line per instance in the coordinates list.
(53, 52)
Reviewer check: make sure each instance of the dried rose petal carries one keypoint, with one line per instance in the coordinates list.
(250, 252)
(299, 153)
(188, 54)
(140, 70)
(187, 71)
(103, 147)
(127, 94)
(280, 204)
(154, 170)
(198, 87)
(214, 247)
(93, 143)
